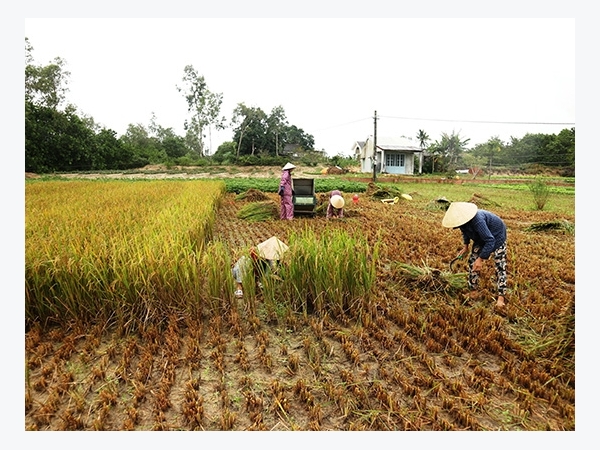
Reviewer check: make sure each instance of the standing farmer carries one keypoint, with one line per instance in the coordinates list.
(488, 233)
(335, 208)
(286, 192)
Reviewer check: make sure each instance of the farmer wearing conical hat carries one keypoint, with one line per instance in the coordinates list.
(286, 192)
(488, 233)
(263, 259)
(335, 208)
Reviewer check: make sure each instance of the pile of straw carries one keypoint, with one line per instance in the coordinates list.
(252, 195)
(430, 279)
(559, 225)
(259, 211)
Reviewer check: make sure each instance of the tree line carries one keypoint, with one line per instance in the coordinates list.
(59, 138)
(532, 152)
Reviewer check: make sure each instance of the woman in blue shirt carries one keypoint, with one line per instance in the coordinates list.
(488, 234)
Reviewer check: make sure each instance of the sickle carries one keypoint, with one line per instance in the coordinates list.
(454, 260)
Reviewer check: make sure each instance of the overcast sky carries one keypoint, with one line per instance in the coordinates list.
(478, 78)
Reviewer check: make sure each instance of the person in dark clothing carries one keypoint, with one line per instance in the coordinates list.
(487, 231)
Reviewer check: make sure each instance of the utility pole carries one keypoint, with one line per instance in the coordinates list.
(374, 159)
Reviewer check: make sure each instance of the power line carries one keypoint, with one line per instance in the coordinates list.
(447, 120)
(343, 124)
(480, 121)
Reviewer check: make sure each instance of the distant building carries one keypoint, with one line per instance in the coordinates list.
(291, 150)
(357, 148)
(394, 155)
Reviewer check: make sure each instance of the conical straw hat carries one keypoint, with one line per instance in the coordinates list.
(337, 201)
(272, 248)
(458, 214)
(288, 166)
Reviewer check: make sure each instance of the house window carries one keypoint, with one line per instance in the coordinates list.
(394, 159)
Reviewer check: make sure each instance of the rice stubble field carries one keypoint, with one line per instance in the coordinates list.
(414, 354)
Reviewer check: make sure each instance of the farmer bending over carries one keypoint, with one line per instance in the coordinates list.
(335, 208)
(488, 233)
(262, 260)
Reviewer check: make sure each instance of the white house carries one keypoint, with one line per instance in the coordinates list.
(394, 155)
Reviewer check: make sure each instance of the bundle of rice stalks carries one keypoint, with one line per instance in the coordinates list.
(482, 201)
(322, 203)
(377, 192)
(439, 203)
(321, 208)
(259, 211)
(559, 225)
(430, 279)
(252, 195)
(556, 340)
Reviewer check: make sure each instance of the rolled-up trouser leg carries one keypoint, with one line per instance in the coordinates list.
(500, 263)
(240, 268)
(473, 278)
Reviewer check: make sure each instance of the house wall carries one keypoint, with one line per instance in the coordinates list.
(366, 160)
(407, 169)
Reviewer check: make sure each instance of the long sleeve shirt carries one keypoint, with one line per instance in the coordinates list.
(331, 211)
(486, 230)
(286, 183)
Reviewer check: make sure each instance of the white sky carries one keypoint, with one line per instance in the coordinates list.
(468, 76)
(330, 75)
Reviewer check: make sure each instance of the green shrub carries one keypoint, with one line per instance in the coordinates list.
(541, 191)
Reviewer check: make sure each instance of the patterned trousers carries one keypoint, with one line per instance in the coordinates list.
(500, 264)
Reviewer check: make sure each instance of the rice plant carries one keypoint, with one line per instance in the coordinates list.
(259, 211)
(127, 252)
(540, 191)
(218, 278)
(333, 273)
(431, 279)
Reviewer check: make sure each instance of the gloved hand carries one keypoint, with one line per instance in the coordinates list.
(280, 191)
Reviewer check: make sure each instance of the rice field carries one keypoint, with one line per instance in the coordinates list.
(131, 321)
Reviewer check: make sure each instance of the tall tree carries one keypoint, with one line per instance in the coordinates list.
(276, 125)
(299, 137)
(142, 145)
(530, 148)
(57, 140)
(454, 146)
(423, 140)
(495, 146)
(173, 145)
(488, 153)
(45, 85)
(560, 151)
(249, 129)
(447, 151)
(204, 107)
